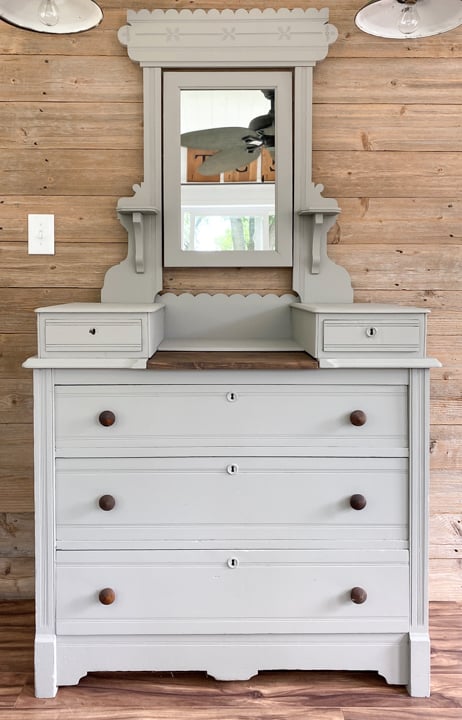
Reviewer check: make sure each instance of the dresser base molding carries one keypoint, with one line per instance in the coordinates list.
(239, 657)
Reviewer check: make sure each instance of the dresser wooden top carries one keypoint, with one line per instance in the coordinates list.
(193, 360)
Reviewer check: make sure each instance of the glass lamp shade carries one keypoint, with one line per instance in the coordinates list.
(59, 17)
(389, 18)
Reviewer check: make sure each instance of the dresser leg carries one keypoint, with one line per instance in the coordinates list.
(419, 656)
(45, 666)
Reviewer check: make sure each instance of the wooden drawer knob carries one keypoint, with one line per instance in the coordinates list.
(107, 596)
(358, 595)
(107, 502)
(358, 502)
(358, 418)
(107, 418)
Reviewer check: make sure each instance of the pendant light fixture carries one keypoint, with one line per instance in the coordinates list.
(402, 19)
(59, 17)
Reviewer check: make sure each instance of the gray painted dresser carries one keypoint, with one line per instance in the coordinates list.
(231, 484)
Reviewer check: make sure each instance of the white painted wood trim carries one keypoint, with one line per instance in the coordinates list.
(419, 681)
(357, 308)
(44, 469)
(204, 345)
(252, 321)
(138, 278)
(358, 362)
(222, 657)
(227, 38)
(36, 363)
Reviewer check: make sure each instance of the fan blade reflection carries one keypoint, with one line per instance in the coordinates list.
(229, 159)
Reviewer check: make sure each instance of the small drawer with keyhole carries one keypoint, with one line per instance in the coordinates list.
(100, 330)
(363, 329)
(391, 335)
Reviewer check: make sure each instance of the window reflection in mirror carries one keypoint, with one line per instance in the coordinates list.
(227, 137)
(227, 147)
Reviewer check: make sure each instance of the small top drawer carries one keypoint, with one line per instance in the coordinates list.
(371, 335)
(100, 330)
(360, 330)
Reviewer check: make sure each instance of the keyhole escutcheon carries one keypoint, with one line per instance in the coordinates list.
(231, 397)
(233, 563)
(232, 469)
(371, 332)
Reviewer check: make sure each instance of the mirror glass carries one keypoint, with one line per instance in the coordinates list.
(227, 168)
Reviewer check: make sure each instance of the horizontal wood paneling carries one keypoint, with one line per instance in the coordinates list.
(71, 125)
(76, 217)
(343, 173)
(76, 264)
(16, 577)
(413, 220)
(38, 78)
(446, 491)
(335, 126)
(16, 400)
(387, 146)
(17, 534)
(12, 355)
(446, 447)
(386, 175)
(52, 172)
(16, 468)
(422, 81)
(17, 305)
(350, 43)
(398, 127)
(240, 280)
(445, 579)
(401, 266)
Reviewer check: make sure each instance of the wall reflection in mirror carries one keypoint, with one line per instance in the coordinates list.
(228, 170)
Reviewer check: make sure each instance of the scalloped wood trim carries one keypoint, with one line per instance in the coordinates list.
(228, 38)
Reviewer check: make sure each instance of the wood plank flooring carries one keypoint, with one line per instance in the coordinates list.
(194, 696)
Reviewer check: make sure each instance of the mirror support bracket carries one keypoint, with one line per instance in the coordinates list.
(138, 278)
(316, 278)
(316, 250)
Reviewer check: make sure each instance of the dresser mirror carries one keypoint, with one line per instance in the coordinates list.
(227, 151)
(224, 135)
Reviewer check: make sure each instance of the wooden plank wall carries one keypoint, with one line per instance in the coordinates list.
(387, 145)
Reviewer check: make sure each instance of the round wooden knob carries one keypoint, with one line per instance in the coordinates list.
(358, 502)
(107, 596)
(107, 502)
(358, 595)
(107, 418)
(358, 418)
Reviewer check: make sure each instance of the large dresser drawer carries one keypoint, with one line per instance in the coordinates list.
(289, 500)
(259, 419)
(231, 591)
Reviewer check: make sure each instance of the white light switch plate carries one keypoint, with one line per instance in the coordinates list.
(41, 234)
